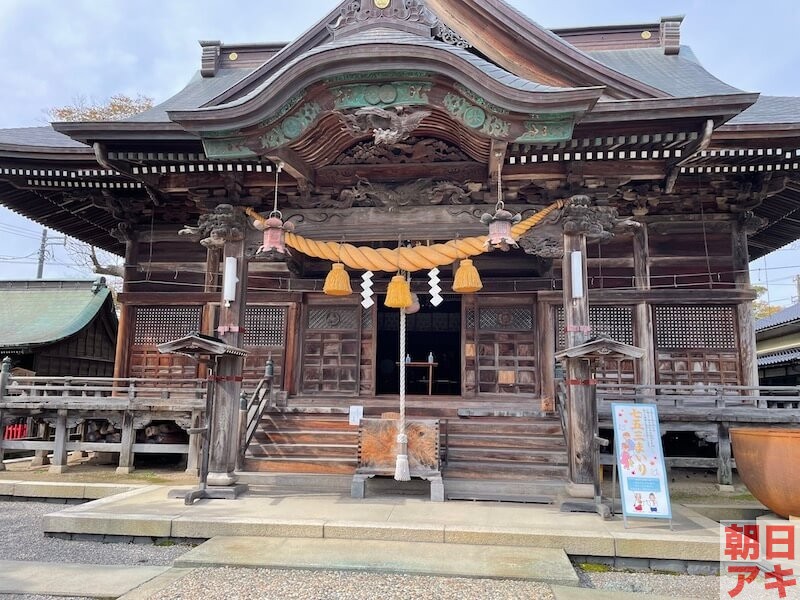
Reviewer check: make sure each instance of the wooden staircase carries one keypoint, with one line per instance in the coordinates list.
(506, 458)
(483, 458)
(303, 442)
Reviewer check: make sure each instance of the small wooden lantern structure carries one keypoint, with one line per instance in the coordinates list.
(216, 430)
(584, 433)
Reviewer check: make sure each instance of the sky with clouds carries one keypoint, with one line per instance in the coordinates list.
(52, 52)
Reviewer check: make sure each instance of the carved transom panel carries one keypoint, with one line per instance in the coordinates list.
(333, 317)
(512, 318)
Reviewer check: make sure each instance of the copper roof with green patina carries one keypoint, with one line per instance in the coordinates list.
(40, 312)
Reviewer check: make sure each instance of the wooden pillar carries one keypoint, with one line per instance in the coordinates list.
(545, 325)
(193, 458)
(5, 373)
(224, 443)
(126, 446)
(643, 316)
(59, 463)
(582, 409)
(125, 330)
(291, 358)
(724, 465)
(744, 312)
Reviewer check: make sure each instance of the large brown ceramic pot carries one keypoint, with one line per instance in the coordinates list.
(768, 461)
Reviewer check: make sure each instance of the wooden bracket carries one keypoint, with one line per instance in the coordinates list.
(700, 144)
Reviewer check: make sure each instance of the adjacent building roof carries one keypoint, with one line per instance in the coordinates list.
(43, 137)
(41, 312)
(779, 358)
(770, 110)
(787, 315)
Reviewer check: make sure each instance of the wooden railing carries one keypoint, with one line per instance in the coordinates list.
(699, 396)
(128, 404)
(709, 411)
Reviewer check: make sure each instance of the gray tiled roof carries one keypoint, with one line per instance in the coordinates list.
(779, 358)
(196, 93)
(787, 315)
(679, 75)
(37, 136)
(769, 110)
(381, 35)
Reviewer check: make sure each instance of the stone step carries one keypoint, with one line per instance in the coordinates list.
(424, 558)
(539, 491)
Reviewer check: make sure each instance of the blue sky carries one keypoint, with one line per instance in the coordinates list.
(53, 51)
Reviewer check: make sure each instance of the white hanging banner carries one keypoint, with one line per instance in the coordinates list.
(640, 461)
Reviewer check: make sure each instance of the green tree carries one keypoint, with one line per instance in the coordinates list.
(762, 308)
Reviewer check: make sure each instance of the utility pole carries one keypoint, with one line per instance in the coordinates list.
(797, 287)
(42, 252)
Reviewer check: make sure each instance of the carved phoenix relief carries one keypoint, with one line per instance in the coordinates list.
(388, 126)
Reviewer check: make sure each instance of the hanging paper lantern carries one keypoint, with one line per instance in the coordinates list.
(337, 283)
(414, 305)
(467, 279)
(398, 295)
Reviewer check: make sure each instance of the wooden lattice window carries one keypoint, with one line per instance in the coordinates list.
(696, 345)
(506, 350)
(159, 324)
(265, 325)
(331, 350)
(264, 337)
(614, 321)
(470, 359)
(155, 325)
(683, 327)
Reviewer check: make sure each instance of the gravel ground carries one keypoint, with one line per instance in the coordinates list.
(21, 538)
(691, 586)
(275, 584)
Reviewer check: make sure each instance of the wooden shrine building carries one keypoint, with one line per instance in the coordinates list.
(394, 123)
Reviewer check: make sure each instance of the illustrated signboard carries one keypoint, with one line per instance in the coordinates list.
(640, 461)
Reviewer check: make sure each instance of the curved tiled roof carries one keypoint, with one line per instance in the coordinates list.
(679, 75)
(42, 312)
(197, 92)
(381, 35)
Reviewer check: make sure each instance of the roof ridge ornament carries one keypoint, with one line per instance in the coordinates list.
(407, 15)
